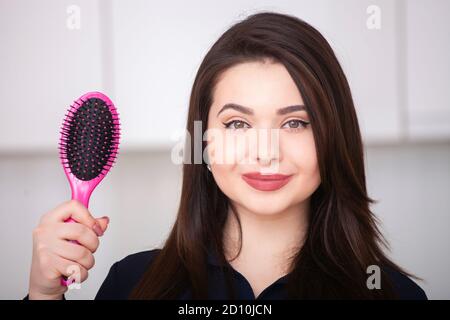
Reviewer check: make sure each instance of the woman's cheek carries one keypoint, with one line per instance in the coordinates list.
(227, 148)
(225, 179)
(301, 153)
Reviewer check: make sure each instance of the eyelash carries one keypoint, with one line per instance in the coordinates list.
(302, 124)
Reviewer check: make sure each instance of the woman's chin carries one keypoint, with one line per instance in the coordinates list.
(265, 205)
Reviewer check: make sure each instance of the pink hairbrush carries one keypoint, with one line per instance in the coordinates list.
(88, 147)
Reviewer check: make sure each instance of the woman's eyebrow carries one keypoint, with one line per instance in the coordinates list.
(290, 109)
(249, 111)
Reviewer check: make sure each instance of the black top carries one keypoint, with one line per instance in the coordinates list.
(126, 273)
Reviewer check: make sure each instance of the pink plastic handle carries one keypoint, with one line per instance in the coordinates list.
(81, 191)
(64, 280)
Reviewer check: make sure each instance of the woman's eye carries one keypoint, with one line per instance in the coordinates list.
(291, 124)
(237, 124)
(296, 124)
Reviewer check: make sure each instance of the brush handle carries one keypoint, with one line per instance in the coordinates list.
(82, 193)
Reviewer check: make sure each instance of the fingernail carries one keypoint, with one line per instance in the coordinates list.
(97, 229)
(107, 219)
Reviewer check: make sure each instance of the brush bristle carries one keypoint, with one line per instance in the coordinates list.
(90, 136)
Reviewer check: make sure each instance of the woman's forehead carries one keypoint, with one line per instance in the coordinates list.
(260, 86)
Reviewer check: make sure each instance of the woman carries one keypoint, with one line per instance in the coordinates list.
(288, 217)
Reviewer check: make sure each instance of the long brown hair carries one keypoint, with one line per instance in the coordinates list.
(343, 238)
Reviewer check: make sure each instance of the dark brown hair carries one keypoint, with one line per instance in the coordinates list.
(342, 238)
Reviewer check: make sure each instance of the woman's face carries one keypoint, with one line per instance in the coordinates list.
(252, 145)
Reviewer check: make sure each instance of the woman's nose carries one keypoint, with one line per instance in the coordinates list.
(268, 146)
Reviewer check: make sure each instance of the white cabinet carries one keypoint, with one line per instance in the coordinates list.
(45, 63)
(370, 58)
(145, 55)
(428, 61)
(157, 50)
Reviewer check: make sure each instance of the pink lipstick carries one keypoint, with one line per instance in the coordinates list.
(266, 182)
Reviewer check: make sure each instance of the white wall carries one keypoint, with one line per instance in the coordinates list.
(145, 56)
(412, 183)
(141, 196)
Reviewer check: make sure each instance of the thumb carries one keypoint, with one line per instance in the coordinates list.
(103, 222)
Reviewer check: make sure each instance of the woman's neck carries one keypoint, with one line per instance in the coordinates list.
(267, 238)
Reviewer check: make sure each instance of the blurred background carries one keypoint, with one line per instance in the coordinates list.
(145, 54)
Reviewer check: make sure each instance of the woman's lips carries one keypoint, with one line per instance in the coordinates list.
(266, 182)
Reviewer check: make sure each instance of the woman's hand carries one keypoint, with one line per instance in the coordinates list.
(54, 256)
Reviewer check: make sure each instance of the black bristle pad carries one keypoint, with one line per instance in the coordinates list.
(89, 139)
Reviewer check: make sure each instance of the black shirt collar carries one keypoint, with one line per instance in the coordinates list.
(214, 261)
